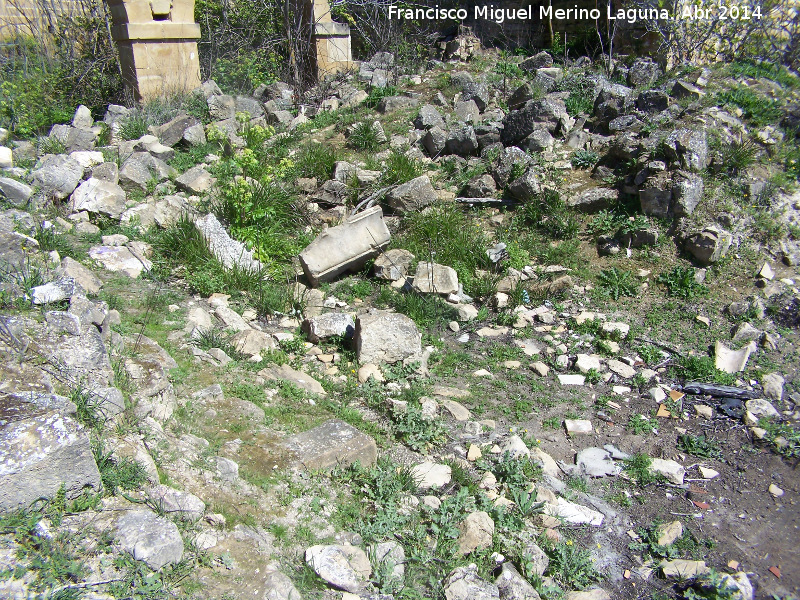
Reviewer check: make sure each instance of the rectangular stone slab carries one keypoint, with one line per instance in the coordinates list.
(333, 443)
(345, 246)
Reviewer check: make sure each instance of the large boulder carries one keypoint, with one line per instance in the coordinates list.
(140, 169)
(429, 118)
(708, 245)
(344, 567)
(329, 325)
(15, 192)
(412, 196)
(477, 92)
(433, 278)
(174, 130)
(57, 176)
(689, 148)
(389, 337)
(687, 192)
(508, 161)
(643, 72)
(548, 112)
(101, 197)
(41, 450)
(612, 102)
(334, 443)
(461, 140)
(463, 583)
(154, 540)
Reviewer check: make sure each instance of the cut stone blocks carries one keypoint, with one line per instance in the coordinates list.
(346, 246)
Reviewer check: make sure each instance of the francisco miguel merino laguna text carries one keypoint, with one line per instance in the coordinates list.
(500, 15)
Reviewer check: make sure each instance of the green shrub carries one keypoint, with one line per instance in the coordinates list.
(45, 77)
(549, 214)
(444, 234)
(699, 445)
(376, 94)
(701, 368)
(419, 432)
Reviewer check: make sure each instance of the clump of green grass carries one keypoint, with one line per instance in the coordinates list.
(757, 70)
(400, 169)
(316, 160)
(701, 368)
(376, 94)
(426, 310)
(581, 93)
(444, 234)
(758, 109)
(550, 215)
(364, 137)
(783, 437)
(181, 249)
(638, 468)
(738, 156)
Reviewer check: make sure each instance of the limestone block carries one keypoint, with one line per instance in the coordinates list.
(333, 443)
(345, 246)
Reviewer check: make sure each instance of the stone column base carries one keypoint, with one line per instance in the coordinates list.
(332, 48)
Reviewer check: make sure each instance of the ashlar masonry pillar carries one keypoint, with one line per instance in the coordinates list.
(157, 41)
(331, 41)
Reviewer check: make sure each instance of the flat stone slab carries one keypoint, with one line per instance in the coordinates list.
(571, 379)
(670, 469)
(298, 378)
(344, 567)
(345, 246)
(683, 569)
(333, 443)
(596, 462)
(574, 513)
(431, 475)
(120, 259)
(40, 451)
(578, 426)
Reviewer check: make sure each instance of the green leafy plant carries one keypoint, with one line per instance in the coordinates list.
(699, 445)
(571, 566)
(419, 432)
(584, 159)
(783, 437)
(118, 473)
(680, 282)
(617, 283)
(638, 468)
(702, 368)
